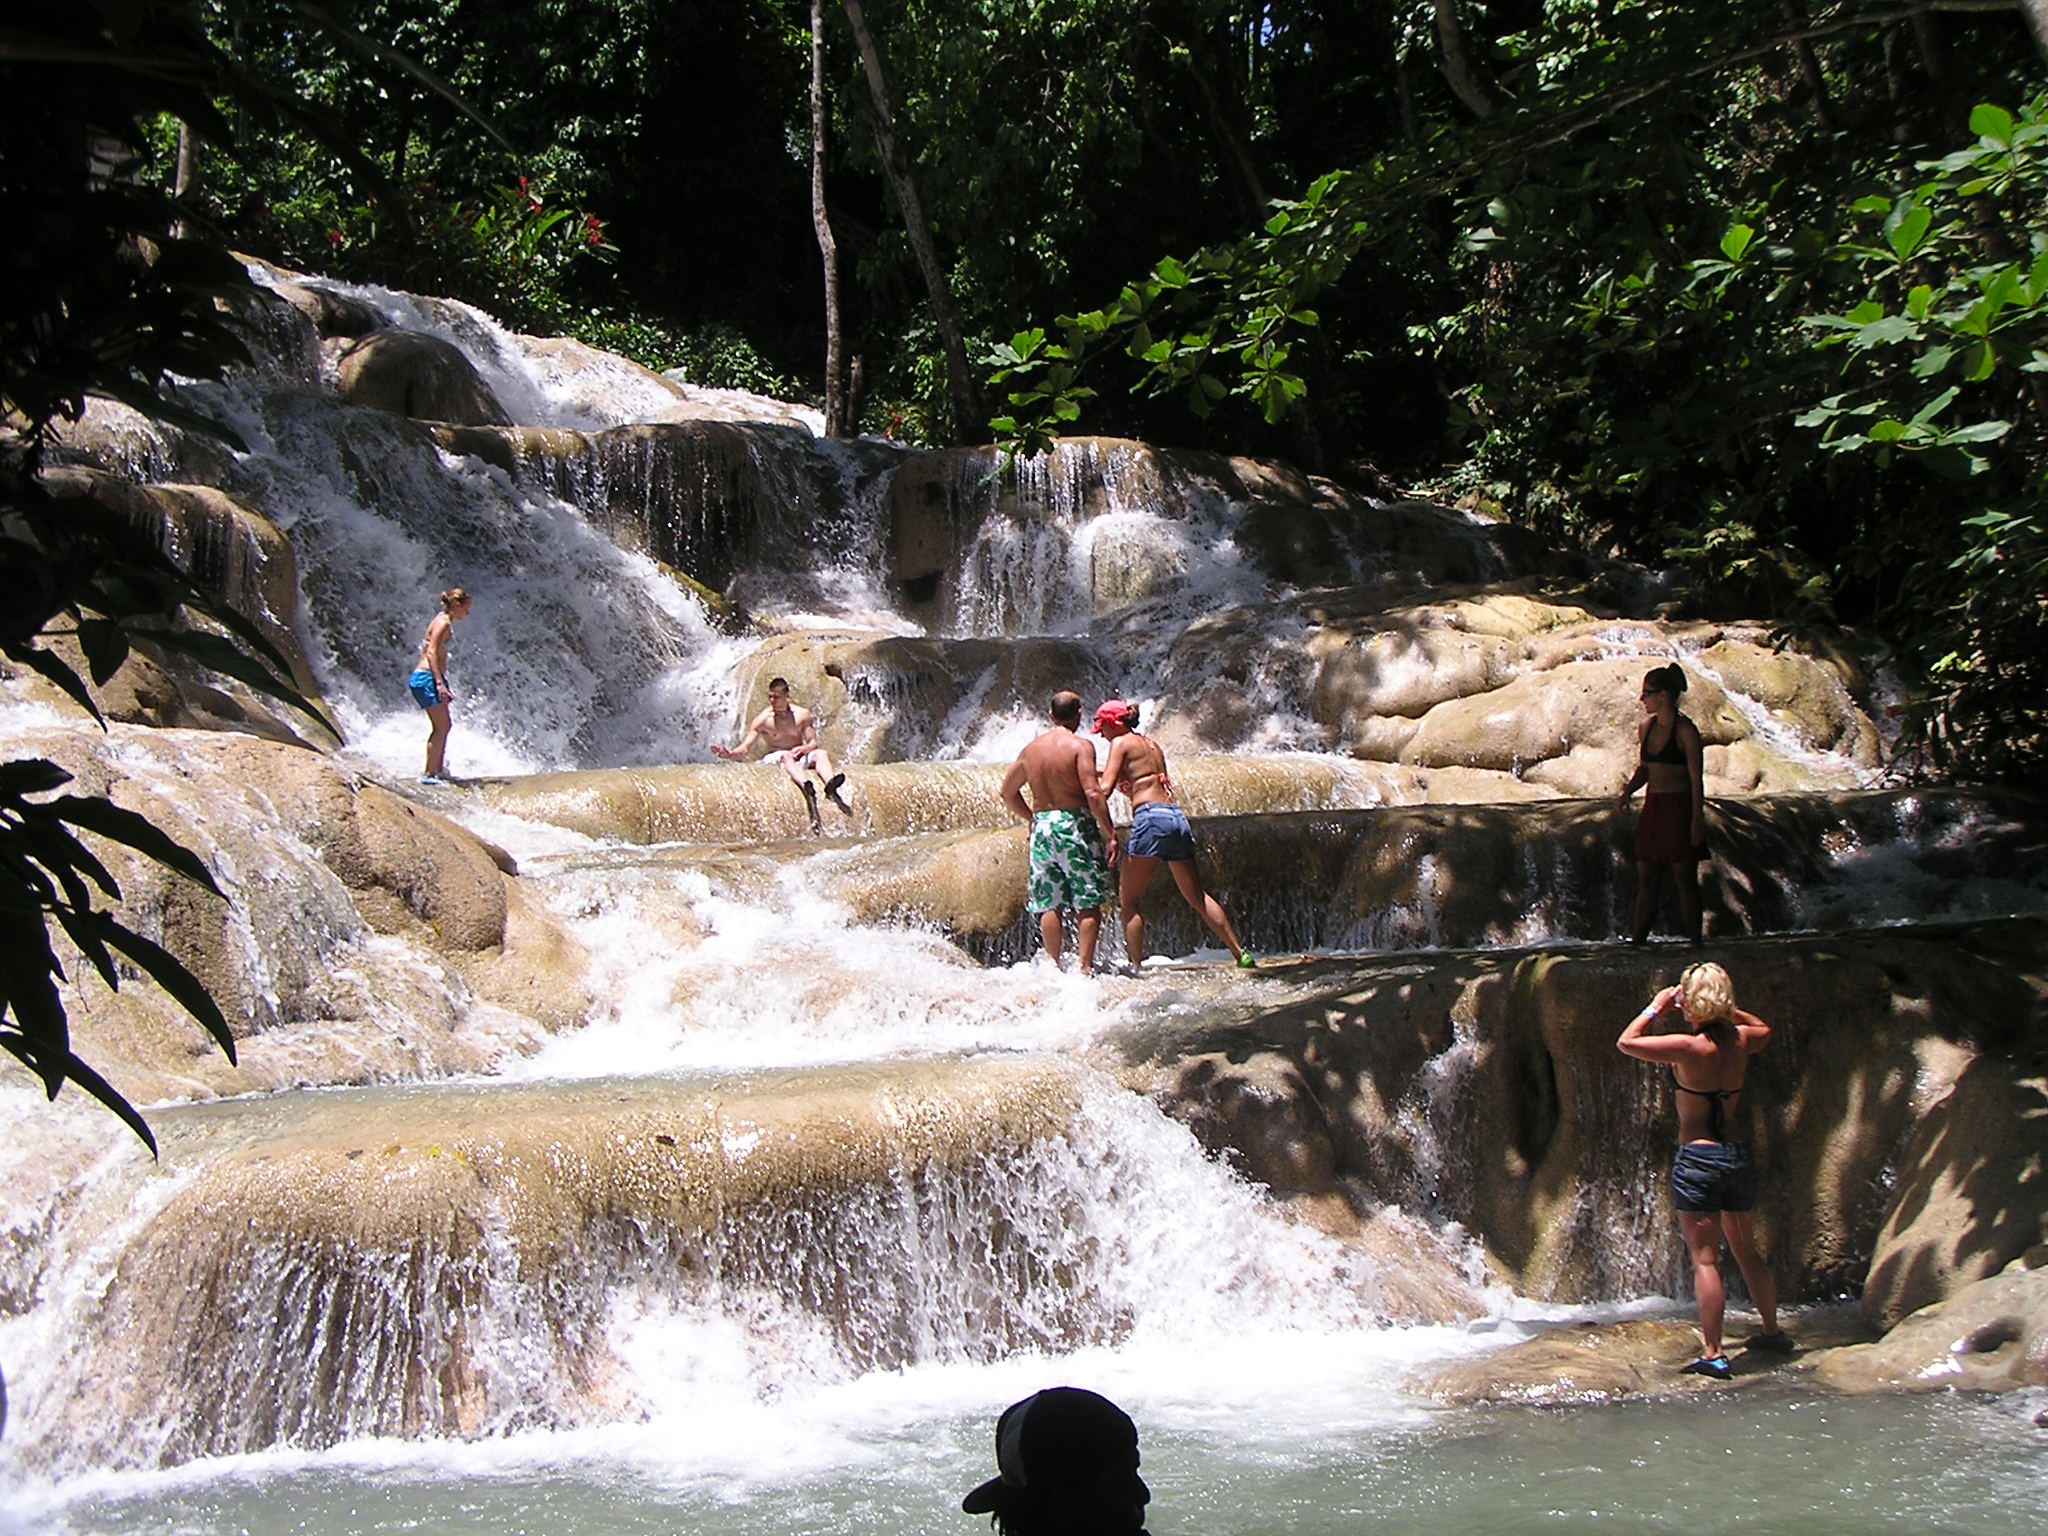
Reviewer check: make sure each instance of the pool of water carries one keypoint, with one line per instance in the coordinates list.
(1756, 1459)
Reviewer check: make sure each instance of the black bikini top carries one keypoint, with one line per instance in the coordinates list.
(1716, 1103)
(1670, 752)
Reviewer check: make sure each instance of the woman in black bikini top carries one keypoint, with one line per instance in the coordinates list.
(1713, 1182)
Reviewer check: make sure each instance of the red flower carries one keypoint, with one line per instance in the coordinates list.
(334, 237)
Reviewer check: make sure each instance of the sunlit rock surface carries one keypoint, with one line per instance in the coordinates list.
(1990, 1335)
(411, 374)
(364, 938)
(1594, 1363)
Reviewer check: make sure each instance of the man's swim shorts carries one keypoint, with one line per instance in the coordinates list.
(1069, 867)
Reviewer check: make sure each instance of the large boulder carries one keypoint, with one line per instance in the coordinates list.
(363, 936)
(410, 373)
(1972, 1194)
(1990, 1335)
(236, 555)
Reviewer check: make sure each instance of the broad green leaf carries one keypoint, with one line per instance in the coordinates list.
(1736, 241)
(1909, 232)
(1992, 124)
(1884, 332)
(1935, 407)
(1931, 362)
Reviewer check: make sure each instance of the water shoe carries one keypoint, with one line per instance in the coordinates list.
(1247, 961)
(1716, 1366)
(1771, 1343)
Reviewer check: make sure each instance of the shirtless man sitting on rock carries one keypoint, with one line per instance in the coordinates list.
(1073, 845)
(792, 741)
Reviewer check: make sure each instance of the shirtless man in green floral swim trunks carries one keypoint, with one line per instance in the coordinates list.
(1072, 843)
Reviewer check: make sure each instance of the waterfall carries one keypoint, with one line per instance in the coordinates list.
(489, 1261)
(777, 1135)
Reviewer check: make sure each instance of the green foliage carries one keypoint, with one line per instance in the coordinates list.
(1701, 287)
(106, 297)
(48, 876)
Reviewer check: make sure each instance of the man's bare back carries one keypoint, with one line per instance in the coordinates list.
(1059, 766)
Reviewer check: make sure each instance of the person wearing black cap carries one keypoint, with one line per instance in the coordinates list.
(1068, 1466)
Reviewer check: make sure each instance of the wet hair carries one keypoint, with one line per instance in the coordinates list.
(1066, 708)
(1707, 994)
(453, 598)
(1669, 680)
(778, 682)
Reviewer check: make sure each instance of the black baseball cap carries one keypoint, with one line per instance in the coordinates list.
(1058, 1437)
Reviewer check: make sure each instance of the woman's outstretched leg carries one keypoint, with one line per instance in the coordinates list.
(1756, 1272)
(437, 741)
(1207, 907)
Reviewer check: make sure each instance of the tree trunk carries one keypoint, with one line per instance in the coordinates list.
(828, 248)
(1460, 73)
(968, 422)
(1239, 171)
(185, 181)
(2037, 18)
(1809, 68)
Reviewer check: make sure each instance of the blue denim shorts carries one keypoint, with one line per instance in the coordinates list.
(1708, 1177)
(1160, 831)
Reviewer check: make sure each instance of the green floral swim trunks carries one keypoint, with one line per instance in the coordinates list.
(1069, 868)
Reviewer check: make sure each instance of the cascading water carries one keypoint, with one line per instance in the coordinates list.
(806, 1197)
